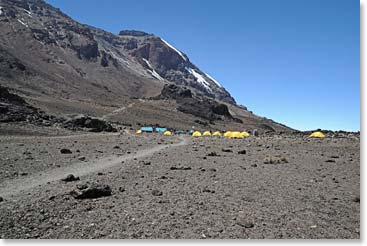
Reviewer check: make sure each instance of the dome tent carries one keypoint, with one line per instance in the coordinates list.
(317, 135)
(236, 135)
(217, 134)
(167, 133)
(207, 134)
(196, 134)
(227, 134)
(245, 134)
(138, 131)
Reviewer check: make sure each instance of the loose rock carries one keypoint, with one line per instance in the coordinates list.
(157, 193)
(91, 191)
(65, 151)
(70, 178)
(227, 150)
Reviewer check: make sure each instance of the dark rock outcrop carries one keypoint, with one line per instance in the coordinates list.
(197, 105)
(93, 124)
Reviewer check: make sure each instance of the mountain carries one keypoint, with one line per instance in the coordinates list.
(63, 68)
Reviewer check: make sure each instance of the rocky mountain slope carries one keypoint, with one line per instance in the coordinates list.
(63, 67)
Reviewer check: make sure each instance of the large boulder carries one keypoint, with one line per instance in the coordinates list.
(90, 191)
(93, 124)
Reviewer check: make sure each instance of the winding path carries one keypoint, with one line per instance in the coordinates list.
(15, 186)
(116, 111)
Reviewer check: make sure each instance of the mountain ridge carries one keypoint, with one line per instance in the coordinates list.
(63, 67)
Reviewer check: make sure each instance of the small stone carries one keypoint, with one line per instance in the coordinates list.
(1, 199)
(180, 168)
(121, 189)
(245, 220)
(208, 190)
(65, 151)
(92, 191)
(212, 154)
(242, 152)
(82, 158)
(157, 193)
(329, 160)
(70, 178)
(116, 147)
(82, 186)
(357, 199)
(23, 174)
(227, 150)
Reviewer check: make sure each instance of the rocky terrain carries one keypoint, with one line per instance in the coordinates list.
(63, 68)
(71, 166)
(151, 186)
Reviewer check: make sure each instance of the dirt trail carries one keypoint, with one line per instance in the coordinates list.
(13, 187)
(119, 110)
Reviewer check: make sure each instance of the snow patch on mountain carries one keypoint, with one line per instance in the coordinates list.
(199, 78)
(21, 22)
(28, 12)
(156, 75)
(216, 82)
(152, 71)
(178, 52)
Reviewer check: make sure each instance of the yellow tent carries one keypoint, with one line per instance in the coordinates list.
(167, 133)
(196, 134)
(317, 135)
(227, 134)
(217, 134)
(207, 134)
(138, 132)
(245, 134)
(235, 135)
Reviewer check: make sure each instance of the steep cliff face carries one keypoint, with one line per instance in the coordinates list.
(165, 61)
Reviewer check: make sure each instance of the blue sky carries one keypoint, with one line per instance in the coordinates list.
(294, 61)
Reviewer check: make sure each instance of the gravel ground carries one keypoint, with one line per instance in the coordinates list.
(181, 187)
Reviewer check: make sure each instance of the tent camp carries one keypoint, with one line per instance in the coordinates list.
(217, 134)
(146, 129)
(196, 134)
(160, 129)
(167, 133)
(317, 135)
(178, 132)
(236, 135)
(245, 134)
(207, 134)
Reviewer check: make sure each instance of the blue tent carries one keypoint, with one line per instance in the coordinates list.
(161, 129)
(146, 129)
